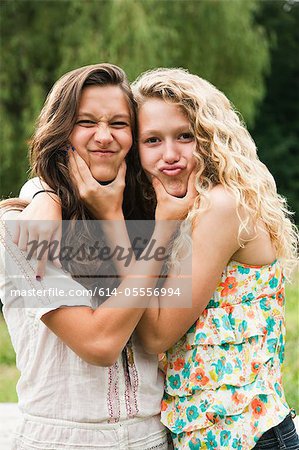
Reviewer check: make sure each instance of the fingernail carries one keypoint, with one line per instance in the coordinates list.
(73, 148)
(38, 278)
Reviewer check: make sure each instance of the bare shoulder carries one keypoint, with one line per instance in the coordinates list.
(222, 206)
(220, 221)
(222, 200)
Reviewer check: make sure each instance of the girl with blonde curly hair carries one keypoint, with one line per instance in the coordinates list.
(223, 374)
(224, 350)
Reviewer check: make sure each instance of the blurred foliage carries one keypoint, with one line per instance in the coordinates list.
(247, 49)
(41, 40)
(276, 129)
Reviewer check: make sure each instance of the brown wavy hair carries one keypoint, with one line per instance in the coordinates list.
(55, 123)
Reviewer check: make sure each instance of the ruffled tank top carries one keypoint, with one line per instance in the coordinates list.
(223, 378)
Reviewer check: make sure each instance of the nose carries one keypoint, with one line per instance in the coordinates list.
(103, 135)
(171, 153)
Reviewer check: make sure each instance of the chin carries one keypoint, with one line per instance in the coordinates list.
(104, 176)
(176, 192)
(175, 188)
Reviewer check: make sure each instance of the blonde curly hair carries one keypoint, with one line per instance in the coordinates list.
(226, 154)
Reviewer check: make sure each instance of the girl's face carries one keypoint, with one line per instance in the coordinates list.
(166, 144)
(102, 134)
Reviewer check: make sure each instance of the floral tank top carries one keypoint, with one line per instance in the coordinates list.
(223, 379)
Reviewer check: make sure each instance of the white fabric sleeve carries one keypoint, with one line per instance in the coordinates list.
(30, 188)
(20, 289)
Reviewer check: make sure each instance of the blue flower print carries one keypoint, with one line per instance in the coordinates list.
(273, 283)
(194, 444)
(229, 368)
(232, 320)
(216, 322)
(239, 347)
(237, 444)
(238, 363)
(242, 326)
(186, 370)
(204, 406)
(270, 324)
(219, 368)
(220, 410)
(281, 349)
(200, 337)
(179, 425)
(271, 344)
(225, 437)
(265, 304)
(211, 440)
(243, 270)
(174, 381)
(281, 353)
(213, 303)
(248, 297)
(192, 413)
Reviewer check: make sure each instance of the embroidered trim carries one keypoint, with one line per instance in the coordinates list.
(132, 382)
(113, 394)
(18, 257)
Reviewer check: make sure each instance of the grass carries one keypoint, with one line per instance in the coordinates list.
(290, 369)
(9, 374)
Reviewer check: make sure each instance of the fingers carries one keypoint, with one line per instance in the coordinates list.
(74, 171)
(158, 188)
(81, 175)
(23, 237)
(43, 243)
(191, 188)
(121, 174)
(57, 238)
(16, 232)
(42, 256)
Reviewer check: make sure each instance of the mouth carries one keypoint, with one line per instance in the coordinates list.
(103, 153)
(172, 171)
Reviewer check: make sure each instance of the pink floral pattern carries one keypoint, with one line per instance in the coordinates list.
(223, 380)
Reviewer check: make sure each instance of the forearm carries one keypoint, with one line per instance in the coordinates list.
(99, 336)
(130, 302)
(116, 235)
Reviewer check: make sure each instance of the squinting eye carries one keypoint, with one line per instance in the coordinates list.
(85, 123)
(186, 137)
(152, 140)
(120, 124)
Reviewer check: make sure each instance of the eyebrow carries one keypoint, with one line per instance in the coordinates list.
(180, 129)
(115, 116)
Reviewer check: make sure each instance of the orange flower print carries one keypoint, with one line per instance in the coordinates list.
(163, 406)
(178, 364)
(258, 408)
(198, 377)
(229, 286)
(198, 359)
(250, 314)
(280, 297)
(238, 398)
(255, 366)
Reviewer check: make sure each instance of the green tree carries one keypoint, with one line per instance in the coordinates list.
(276, 130)
(41, 40)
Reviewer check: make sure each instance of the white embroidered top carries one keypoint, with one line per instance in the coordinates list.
(55, 383)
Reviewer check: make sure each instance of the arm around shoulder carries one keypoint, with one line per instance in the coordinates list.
(214, 241)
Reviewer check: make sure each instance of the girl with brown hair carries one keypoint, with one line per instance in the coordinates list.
(85, 382)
